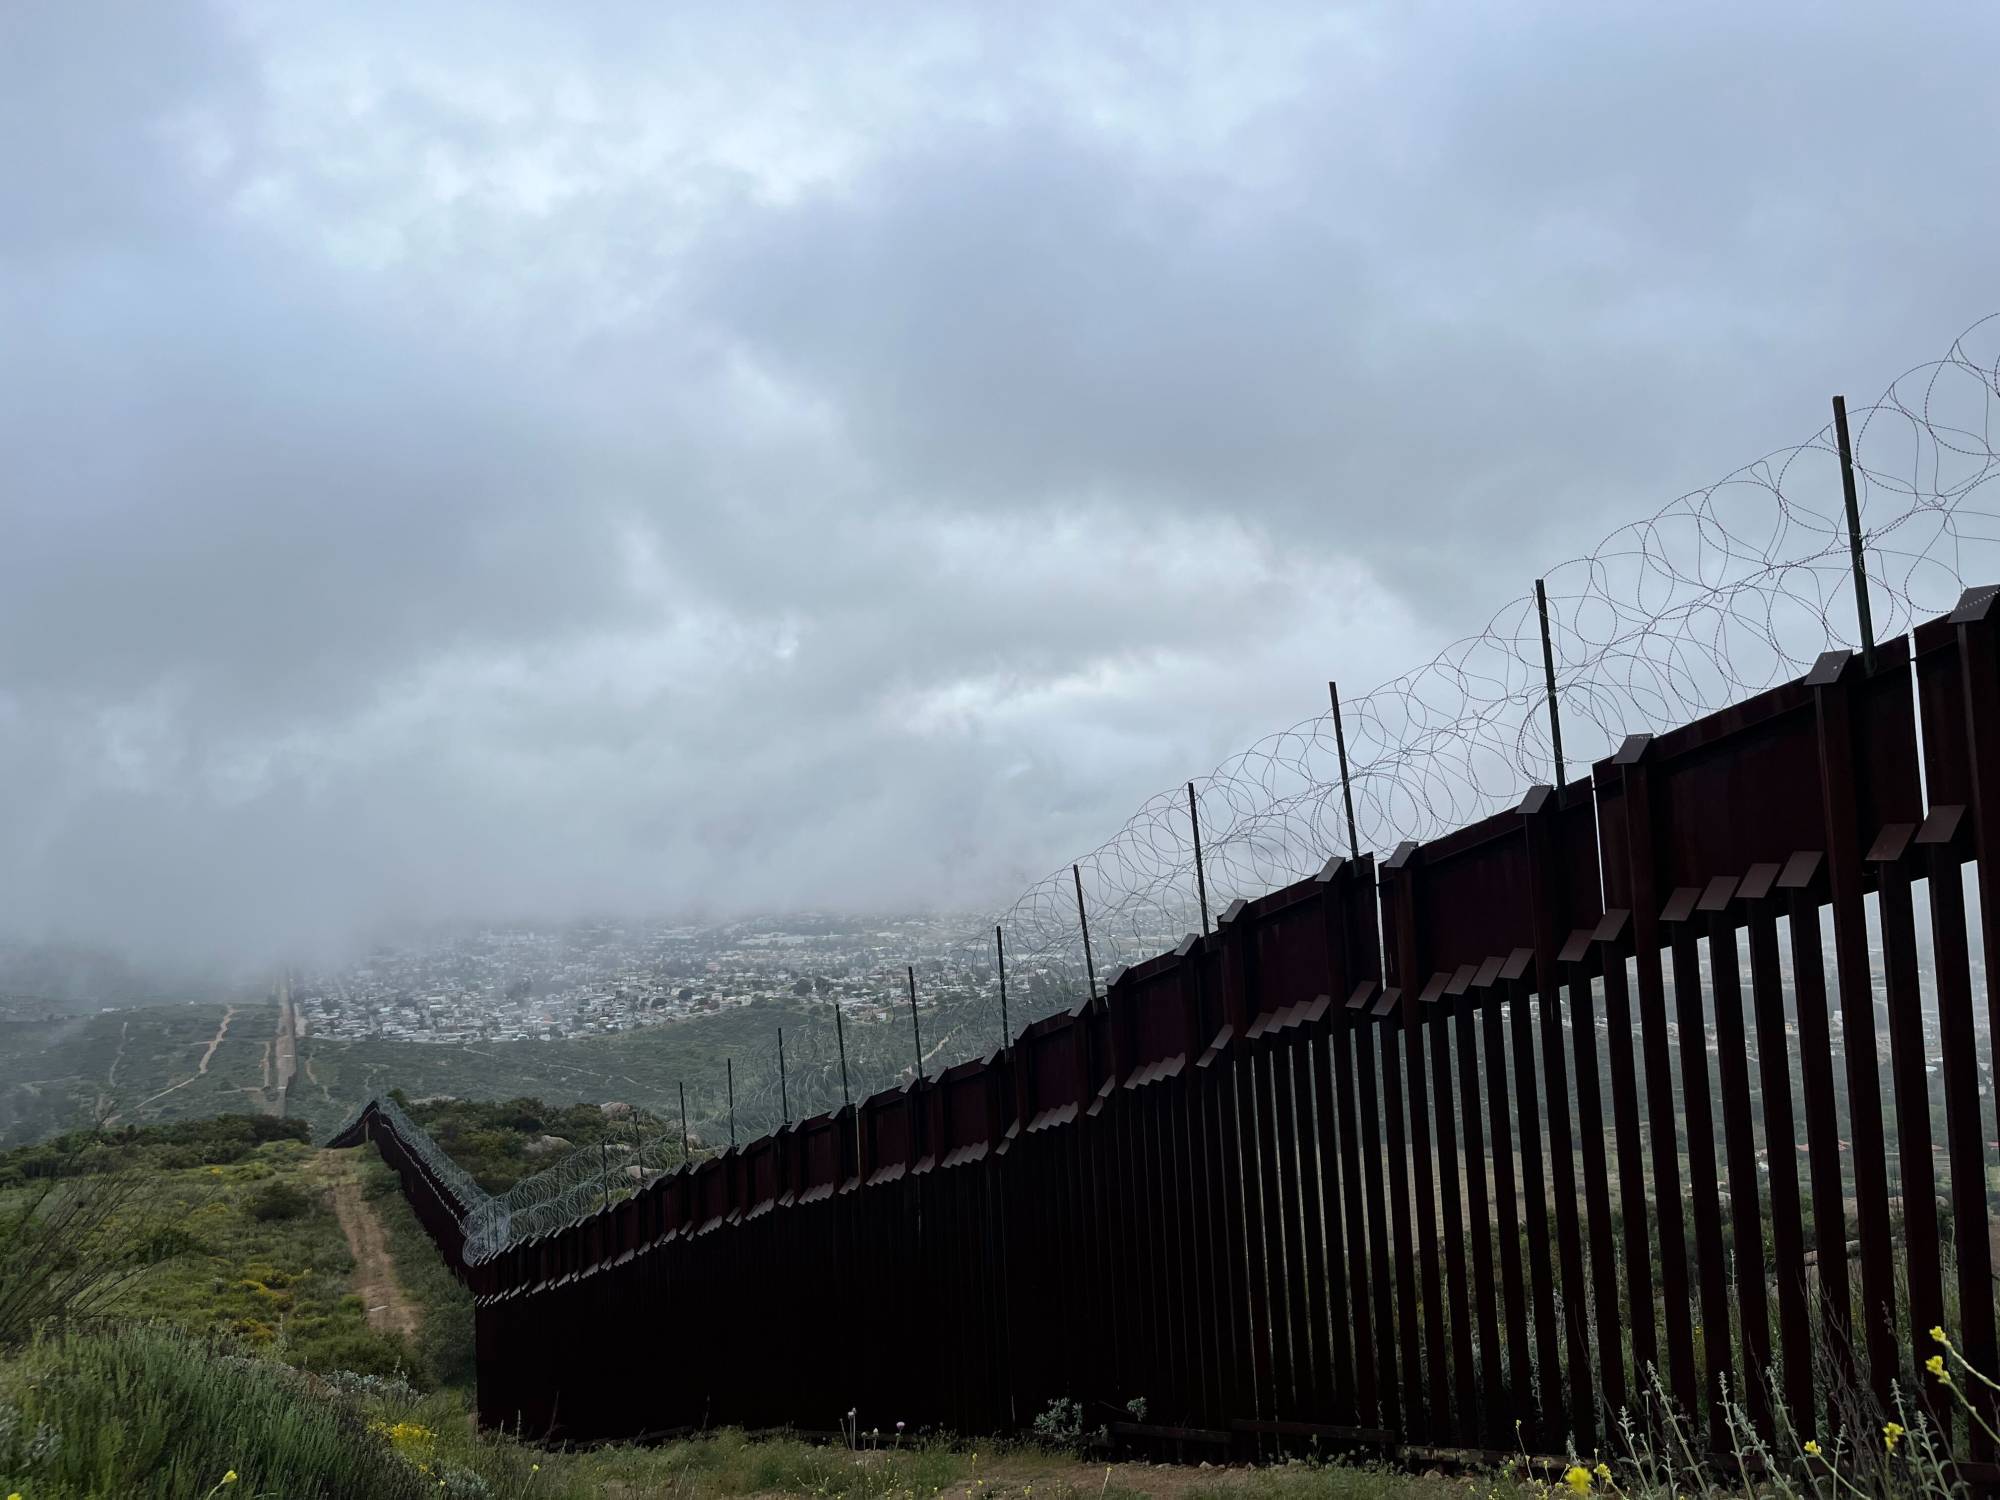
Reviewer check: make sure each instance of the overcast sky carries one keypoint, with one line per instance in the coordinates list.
(470, 460)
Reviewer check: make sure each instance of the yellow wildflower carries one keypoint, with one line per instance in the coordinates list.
(1578, 1479)
(230, 1477)
(1603, 1472)
(1892, 1434)
(1812, 1447)
(1938, 1334)
(1935, 1364)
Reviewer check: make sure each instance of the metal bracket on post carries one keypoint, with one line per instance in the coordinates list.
(1864, 617)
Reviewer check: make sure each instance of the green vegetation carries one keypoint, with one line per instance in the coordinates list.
(133, 1067)
(224, 1340)
(147, 1412)
(215, 1141)
(64, 1072)
(499, 1144)
(229, 1230)
(144, 1412)
(646, 1066)
(61, 1072)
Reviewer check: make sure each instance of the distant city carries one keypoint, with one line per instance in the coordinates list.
(519, 983)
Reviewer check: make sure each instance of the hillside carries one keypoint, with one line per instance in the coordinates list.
(193, 1061)
(144, 1065)
(644, 1066)
(242, 1351)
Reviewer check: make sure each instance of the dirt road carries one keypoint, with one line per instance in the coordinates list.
(389, 1309)
(286, 1052)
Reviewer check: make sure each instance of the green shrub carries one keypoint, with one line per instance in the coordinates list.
(167, 1242)
(278, 1200)
(364, 1353)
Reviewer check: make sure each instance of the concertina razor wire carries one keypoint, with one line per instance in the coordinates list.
(1719, 594)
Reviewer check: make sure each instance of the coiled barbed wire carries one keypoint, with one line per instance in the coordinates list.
(1721, 593)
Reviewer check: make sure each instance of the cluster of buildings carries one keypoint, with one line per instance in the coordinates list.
(529, 982)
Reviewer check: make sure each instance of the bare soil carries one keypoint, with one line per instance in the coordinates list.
(389, 1310)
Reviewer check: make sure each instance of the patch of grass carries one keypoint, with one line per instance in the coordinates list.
(1302, 1480)
(149, 1413)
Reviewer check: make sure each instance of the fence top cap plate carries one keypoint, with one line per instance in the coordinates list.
(1632, 750)
(1800, 869)
(1717, 894)
(1680, 905)
(1975, 604)
(1942, 826)
(1891, 843)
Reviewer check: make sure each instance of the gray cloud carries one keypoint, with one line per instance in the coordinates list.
(510, 462)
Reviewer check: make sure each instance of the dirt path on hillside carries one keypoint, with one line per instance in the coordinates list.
(228, 1015)
(111, 1078)
(389, 1309)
